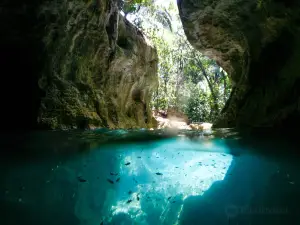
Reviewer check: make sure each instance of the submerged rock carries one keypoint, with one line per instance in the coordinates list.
(257, 43)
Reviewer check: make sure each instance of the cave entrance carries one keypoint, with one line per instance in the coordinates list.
(192, 87)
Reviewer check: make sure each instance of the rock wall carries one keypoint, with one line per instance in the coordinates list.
(257, 43)
(84, 64)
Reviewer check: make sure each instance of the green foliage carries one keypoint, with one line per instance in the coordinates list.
(198, 108)
(133, 6)
(188, 81)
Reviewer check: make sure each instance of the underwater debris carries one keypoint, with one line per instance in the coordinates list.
(110, 181)
(101, 223)
(113, 174)
(126, 164)
(118, 179)
(129, 201)
(80, 179)
(159, 174)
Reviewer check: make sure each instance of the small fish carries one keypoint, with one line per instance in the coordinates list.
(158, 173)
(176, 167)
(80, 179)
(101, 223)
(129, 201)
(130, 192)
(137, 198)
(169, 197)
(173, 201)
(135, 180)
(223, 154)
(126, 164)
(292, 182)
(110, 181)
(139, 157)
(118, 179)
(113, 174)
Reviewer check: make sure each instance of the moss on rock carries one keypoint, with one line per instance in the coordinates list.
(94, 60)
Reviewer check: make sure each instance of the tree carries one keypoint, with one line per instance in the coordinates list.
(133, 6)
(188, 81)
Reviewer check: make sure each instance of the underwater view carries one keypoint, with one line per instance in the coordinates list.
(148, 177)
(150, 112)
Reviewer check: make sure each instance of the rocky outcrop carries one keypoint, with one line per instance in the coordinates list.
(88, 66)
(257, 43)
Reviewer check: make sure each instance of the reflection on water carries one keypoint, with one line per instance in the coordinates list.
(141, 177)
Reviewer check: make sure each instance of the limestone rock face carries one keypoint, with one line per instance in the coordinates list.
(101, 69)
(87, 65)
(257, 43)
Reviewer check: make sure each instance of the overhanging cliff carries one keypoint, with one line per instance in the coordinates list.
(257, 43)
(77, 64)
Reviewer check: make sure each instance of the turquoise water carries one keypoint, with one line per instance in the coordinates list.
(148, 177)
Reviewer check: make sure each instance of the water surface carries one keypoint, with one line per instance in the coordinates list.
(148, 177)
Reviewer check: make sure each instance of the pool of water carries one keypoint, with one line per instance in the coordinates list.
(148, 177)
